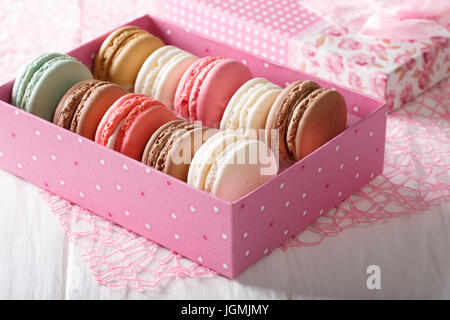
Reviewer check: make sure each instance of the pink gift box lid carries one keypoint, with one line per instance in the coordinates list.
(286, 33)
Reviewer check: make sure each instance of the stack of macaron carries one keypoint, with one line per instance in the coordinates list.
(82, 107)
(304, 117)
(44, 81)
(249, 107)
(130, 122)
(172, 147)
(156, 104)
(161, 72)
(229, 165)
(299, 119)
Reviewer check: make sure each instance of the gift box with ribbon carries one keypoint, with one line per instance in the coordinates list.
(393, 50)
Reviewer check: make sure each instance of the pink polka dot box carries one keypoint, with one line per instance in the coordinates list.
(223, 236)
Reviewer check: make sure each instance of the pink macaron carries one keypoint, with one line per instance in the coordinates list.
(206, 88)
(130, 122)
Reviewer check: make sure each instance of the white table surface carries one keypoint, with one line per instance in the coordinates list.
(38, 262)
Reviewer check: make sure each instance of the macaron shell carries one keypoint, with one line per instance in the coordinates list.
(51, 86)
(68, 104)
(281, 111)
(169, 78)
(294, 121)
(218, 88)
(232, 112)
(115, 114)
(186, 84)
(130, 57)
(151, 67)
(230, 180)
(139, 127)
(161, 141)
(198, 82)
(21, 82)
(182, 152)
(206, 154)
(109, 48)
(256, 116)
(324, 119)
(161, 73)
(91, 112)
(174, 136)
(146, 157)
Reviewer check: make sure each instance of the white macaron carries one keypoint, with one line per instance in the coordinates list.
(250, 105)
(161, 72)
(230, 165)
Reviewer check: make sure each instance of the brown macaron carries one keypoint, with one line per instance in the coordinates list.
(306, 117)
(172, 147)
(81, 109)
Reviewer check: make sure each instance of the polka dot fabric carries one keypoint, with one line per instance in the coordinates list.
(223, 20)
(225, 237)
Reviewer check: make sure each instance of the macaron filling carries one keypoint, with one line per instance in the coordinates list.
(112, 139)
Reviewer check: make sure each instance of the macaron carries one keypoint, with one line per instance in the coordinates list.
(161, 72)
(130, 122)
(44, 81)
(249, 107)
(206, 88)
(82, 107)
(305, 116)
(122, 55)
(172, 147)
(229, 165)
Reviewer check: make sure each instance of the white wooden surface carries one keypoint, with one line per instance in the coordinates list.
(37, 262)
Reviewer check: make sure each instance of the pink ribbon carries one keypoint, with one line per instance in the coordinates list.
(387, 19)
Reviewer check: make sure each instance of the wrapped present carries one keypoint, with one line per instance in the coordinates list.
(288, 33)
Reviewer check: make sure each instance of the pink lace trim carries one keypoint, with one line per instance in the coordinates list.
(416, 177)
(117, 257)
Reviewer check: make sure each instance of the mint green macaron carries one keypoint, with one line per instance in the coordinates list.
(45, 80)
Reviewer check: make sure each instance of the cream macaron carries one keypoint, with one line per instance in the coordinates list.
(249, 107)
(161, 73)
(230, 165)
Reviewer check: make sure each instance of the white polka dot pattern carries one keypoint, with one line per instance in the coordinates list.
(224, 21)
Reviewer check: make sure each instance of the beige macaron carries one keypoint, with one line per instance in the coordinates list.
(122, 55)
